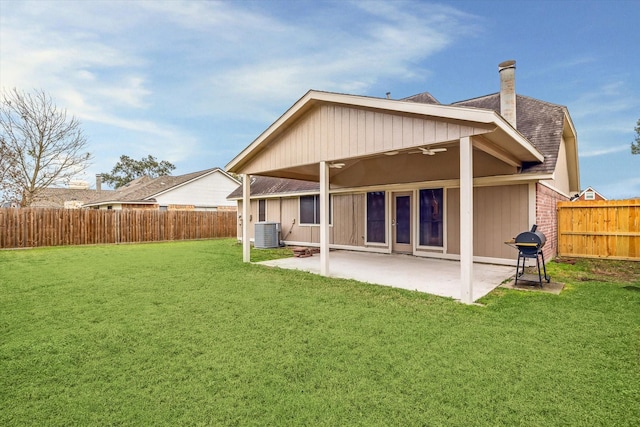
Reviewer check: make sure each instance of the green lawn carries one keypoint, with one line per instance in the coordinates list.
(186, 334)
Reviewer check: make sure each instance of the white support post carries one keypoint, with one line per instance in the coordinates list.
(466, 220)
(324, 218)
(246, 209)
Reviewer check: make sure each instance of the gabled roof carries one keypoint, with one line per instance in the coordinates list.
(582, 193)
(145, 189)
(503, 134)
(540, 122)
(422, 98)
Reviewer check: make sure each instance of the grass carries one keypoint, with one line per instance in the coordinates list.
(186, 334)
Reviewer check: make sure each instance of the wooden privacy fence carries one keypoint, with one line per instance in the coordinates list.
(599, 229)
(20, 228)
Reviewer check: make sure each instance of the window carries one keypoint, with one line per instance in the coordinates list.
(310, 209)
(589, 195)
(376, 225)
(431, 224)
(262, 210)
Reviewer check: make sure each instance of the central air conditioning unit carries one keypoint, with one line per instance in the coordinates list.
(267, 235)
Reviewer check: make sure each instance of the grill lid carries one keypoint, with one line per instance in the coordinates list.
(531, 239)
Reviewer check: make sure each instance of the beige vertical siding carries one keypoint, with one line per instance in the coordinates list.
(273, 210)
(500, 213)
(290, 212)
(452, 211)
(331, 132)
(253, 218)
(289, 218)
(284, 211)
(561, 174)
(348, 219)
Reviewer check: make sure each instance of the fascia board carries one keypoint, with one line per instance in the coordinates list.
(449, 183)
(237, 160)
(119, 202)
(278, 195)
(519, 178)
(568, 123)
(475, 115)
(515, 135)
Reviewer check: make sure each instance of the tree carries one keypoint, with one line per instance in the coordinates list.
(39, 145)
(7, 165)
(635, 145)
(128, 169)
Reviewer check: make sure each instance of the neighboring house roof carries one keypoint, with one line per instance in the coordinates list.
(145, 189)
(582, 195)
(423, 98)
(265, 186)
(56, 197)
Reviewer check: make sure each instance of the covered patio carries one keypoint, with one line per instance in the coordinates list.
(352, 144)
(429, 275)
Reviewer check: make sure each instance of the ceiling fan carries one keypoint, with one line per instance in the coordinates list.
(428, 151)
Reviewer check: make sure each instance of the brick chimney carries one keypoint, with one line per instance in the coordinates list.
(507, 71)
(98, 182)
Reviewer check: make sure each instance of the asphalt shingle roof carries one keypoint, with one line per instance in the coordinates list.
(144, 188)
(539, 121)
(55, 197)
(265, 185)
(423, 98)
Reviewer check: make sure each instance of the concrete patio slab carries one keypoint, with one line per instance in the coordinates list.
(432, 276)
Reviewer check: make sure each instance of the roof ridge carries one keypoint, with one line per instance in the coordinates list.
(517, 95)
(475, 98)
(542, 100)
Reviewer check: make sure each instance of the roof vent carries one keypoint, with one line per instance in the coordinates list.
(507, 71)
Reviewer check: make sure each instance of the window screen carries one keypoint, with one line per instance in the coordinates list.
(376, 217)
(310, 209)
(431, 215)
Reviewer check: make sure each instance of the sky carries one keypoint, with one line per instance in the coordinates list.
(195, 82)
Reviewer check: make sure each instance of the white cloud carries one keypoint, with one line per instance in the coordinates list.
(344, 52)
(604, 151)
(138, 71)
(109, 52)
(610, 98)
(622, 189)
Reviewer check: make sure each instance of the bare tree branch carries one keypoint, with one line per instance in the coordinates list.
(41, 147)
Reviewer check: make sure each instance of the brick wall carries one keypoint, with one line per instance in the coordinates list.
(547, 218)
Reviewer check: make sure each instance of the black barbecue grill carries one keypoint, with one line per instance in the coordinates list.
(529, 245)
